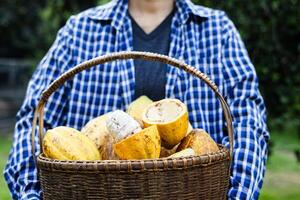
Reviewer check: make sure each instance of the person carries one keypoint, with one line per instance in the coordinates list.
(202, 37)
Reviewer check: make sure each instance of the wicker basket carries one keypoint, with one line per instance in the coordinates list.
(196, 177)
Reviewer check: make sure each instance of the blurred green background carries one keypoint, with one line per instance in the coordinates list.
(269, 28)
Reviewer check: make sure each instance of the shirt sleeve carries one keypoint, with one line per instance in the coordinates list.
(249, 117)
(20, 172)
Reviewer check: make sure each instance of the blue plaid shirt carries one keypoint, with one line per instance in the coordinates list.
(201, 37)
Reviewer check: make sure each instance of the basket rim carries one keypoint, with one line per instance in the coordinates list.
(160, 164)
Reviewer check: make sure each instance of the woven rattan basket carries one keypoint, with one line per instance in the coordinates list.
(197, 177)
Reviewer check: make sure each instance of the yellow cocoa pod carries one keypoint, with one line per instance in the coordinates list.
(136, 108)
(184, 153)
(167, 152)
(142, 145)
(171, 118)
(164, 152)
(190, 128)
(200, 142)
(64, 143)
(97, 131)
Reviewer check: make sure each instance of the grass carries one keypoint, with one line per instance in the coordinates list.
(282, 179)
(5, 144)
(283, 171)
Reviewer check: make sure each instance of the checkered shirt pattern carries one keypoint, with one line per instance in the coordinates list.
(201, 37)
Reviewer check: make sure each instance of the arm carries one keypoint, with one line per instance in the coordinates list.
(249, 117)
(20, 172)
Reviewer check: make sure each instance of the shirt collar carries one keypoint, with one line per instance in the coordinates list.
(116, 11)
(187, 9)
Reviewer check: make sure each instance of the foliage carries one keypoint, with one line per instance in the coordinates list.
(269, 28)
(19, 27)
(28, 29)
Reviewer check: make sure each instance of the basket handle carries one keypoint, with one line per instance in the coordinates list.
(39, 111)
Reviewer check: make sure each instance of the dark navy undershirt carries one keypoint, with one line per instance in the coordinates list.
(150, 77)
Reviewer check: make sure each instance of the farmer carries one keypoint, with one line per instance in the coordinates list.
(201, 37)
